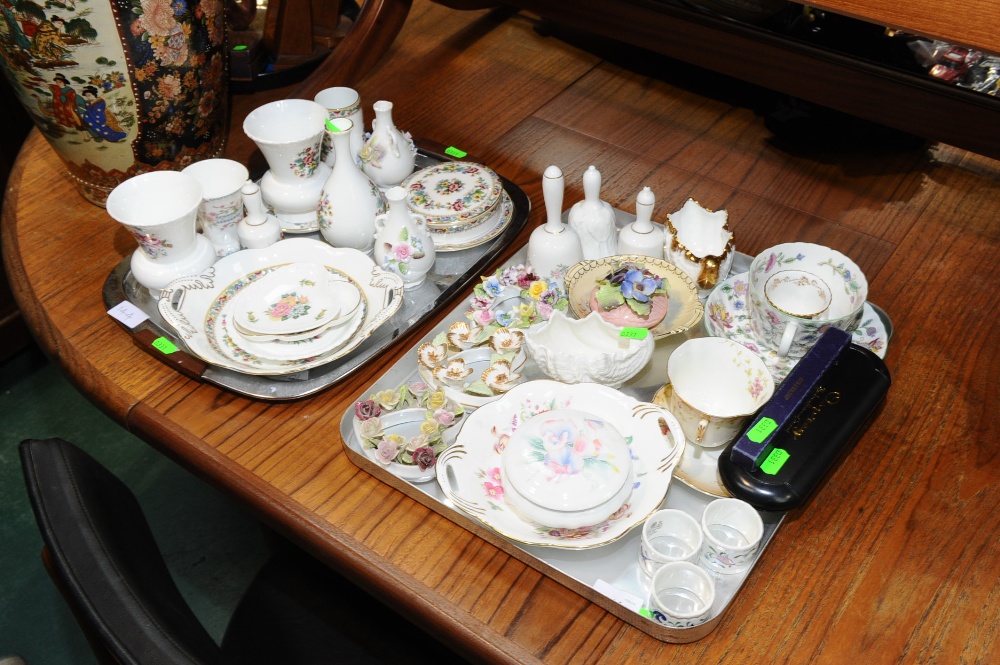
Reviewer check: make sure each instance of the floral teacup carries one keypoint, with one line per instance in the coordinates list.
(792, 335)
(715, 386)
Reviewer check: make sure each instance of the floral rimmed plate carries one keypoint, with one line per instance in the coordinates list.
(189, 299)
(684, 310)
(292, 299)
(452, 192)
(239, 348)
(482, 233)
(469, 470)
(727, 315)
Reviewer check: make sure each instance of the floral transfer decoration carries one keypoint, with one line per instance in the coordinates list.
(421, 450)
(305, 163)
(151, 244)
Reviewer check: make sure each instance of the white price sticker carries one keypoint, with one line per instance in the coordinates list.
(128, 314)
(630, 601)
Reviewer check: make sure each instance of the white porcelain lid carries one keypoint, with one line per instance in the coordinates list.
(294, 298)
(567, 460)
(453, 191)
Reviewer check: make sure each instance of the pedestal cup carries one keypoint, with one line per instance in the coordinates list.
(160, 209)
(289, 133)
(221, 206)
(341, 102)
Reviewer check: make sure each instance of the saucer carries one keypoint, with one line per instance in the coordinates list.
(482, 233)
(727, 315)
(453, 192)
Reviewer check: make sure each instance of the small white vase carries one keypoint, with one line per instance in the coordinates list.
(641, 237)
(350, 200)
(388, 155)
(553, 247)
(343, 102)
(258, 229)
(594, 219)
(403, 244)
(160, 208)
(222, 201)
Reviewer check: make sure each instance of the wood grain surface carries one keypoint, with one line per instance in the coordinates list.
(893, 559)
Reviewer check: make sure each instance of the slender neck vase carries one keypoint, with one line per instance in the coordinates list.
(350, 200)
(553, 247)
(641, 237)
(403, 243)
(388, 156)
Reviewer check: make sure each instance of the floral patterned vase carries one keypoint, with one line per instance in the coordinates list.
(403, 244)
(120, 87)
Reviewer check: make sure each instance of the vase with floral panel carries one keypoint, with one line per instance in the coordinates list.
(349, 201)
(388, 155)
(120, 87)
(403, 244)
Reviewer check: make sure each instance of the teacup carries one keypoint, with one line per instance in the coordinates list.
(221, 207)
(792, 330)
(715, 386)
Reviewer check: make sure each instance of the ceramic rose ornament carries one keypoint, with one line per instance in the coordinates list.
(630, 296)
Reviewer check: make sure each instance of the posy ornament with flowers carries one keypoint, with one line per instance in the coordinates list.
(513, 297)
(630, 296)
(439, 413)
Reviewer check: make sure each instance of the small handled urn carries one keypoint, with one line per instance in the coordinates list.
(403, 244)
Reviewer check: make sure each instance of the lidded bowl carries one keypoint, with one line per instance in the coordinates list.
(566, 469)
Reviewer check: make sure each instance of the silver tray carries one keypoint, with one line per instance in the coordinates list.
(602, 573)
(453, 272)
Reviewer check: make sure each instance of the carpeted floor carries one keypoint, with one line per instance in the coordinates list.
(212, 558)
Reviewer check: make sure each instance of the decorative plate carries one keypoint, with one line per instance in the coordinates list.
(237, 347)
(482, 233)
(291, 299)
(727, 315)
(476, 362)
(190, 304)
(452, 191)
(469, 470)
(684, 310)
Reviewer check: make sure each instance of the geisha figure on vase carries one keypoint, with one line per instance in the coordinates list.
(100, 122)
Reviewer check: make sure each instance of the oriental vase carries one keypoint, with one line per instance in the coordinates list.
(119, 87)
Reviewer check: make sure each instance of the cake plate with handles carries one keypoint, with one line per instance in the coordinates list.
(608, 575)
(453, 274)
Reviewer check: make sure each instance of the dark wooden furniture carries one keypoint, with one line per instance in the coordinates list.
(890, 560)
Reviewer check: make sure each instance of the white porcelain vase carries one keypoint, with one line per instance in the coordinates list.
(403, 244)
(349, 201)
(388, 155)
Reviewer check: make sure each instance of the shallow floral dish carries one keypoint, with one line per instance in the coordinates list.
(495, 224)
(587, 350)
(236, 346)
(566, 469)
(190, 305)
(404, 430)
(727, 316)
(699, 467)
(469, 470)
(513, 297)
(452, 191)
(472, 377)
(291, 299)
(684, 310)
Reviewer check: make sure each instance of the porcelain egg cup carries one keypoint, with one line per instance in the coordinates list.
(289, 133)
(566, 469)
(160, 209)
(586, 350)
(794, 335)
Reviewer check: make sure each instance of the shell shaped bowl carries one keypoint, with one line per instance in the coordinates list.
(587, 350)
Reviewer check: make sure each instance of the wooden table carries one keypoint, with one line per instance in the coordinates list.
(893, 560)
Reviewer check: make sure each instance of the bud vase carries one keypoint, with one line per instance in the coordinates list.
(388, 155)
(350, 200)
(403, 244)
(119, 88)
